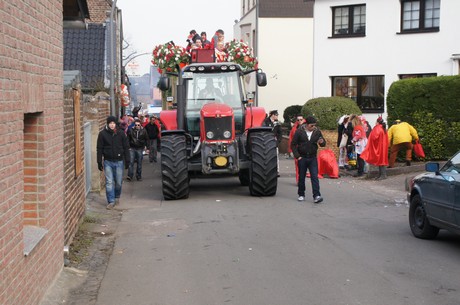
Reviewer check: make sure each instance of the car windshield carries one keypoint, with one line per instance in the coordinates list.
(453, 165)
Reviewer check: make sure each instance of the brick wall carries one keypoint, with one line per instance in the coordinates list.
(31, 87)
(97, 10)
(74, 196)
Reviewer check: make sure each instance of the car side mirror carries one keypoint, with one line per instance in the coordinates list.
(432, 167)
(261, 79)
(164, 84)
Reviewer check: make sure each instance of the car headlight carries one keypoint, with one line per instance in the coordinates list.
(227, 134)
(210, 135)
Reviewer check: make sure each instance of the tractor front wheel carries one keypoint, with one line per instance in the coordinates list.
(263, 173)
(174, 167)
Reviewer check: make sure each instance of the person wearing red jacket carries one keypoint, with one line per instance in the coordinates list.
(376, 151)
(298, 121)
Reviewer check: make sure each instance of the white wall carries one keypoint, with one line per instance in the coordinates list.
(383, 51)
(285, 54)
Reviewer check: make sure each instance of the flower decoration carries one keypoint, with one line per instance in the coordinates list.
(240, 53)
(167, 56)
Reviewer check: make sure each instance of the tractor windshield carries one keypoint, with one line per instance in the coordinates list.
(203, 88)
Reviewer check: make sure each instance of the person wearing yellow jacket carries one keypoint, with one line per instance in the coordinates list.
(400, 136)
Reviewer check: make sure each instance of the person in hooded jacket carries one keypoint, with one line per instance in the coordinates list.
(138, 140)
(304, 145)
(112, 153)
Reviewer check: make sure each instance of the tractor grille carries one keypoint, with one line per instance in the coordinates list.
(218, 126)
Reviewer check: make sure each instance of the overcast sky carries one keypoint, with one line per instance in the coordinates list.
(147, 23)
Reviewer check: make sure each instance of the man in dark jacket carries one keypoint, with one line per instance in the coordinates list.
(153, 130)
(138, 139)
(112, 145)
(272, 121)
(304, 145)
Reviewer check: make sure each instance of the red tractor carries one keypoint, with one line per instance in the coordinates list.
(214, 130)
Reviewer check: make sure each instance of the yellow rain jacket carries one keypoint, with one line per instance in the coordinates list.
(401, 133)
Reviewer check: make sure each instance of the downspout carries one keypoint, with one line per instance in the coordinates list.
(112, 59)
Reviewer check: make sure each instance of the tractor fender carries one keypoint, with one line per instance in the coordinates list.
(255, 117)
(169, 119)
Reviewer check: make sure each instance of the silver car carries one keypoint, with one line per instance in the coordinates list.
(434, 199)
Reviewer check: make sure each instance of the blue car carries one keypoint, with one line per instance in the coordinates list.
(434, 199)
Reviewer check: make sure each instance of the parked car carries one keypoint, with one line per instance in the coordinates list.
(434, 199)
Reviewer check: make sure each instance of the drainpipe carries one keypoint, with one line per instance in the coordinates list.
(112, 59)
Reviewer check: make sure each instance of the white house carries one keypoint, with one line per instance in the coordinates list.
(281, 33)
(362, 47)
(350, 48)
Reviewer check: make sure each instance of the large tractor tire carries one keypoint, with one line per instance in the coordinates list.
(174, 167)
(263, 172)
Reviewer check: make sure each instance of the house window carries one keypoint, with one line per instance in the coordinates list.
(420, 75)
(366, 90)
(349, 21)
(420, 16)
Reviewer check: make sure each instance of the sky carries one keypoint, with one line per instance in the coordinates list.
(148, 23)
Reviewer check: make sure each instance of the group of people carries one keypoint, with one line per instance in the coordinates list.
(355, 136)
(117, 148)
(371, 145)
(195, 41)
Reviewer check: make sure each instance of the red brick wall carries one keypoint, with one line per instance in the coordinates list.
(30, 83)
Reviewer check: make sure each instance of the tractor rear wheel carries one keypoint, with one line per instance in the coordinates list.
(263, 172)
(174, 167)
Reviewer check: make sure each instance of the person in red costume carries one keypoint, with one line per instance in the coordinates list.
(299, 121)
(359, 140)
(376, 151)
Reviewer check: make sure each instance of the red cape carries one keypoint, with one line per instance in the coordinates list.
(376, 151)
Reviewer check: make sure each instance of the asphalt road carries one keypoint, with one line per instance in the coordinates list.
(222, 246)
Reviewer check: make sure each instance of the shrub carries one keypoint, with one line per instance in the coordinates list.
(431, 105)
(329, 109)
(290, 113)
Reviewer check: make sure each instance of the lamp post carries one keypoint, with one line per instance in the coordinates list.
(112, 59)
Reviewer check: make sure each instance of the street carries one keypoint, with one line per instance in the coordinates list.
(222, 246)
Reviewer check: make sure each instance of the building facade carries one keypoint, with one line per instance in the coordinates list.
(362, 47)
(281, 34)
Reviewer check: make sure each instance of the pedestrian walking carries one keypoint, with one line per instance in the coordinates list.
(400, 136)
(304, 145)
(112, 153)
(376, 151)
(153, 129)
(138, 140)
(298, 122)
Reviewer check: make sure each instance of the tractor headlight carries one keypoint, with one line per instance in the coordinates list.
(210, 135)
(227, 134)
